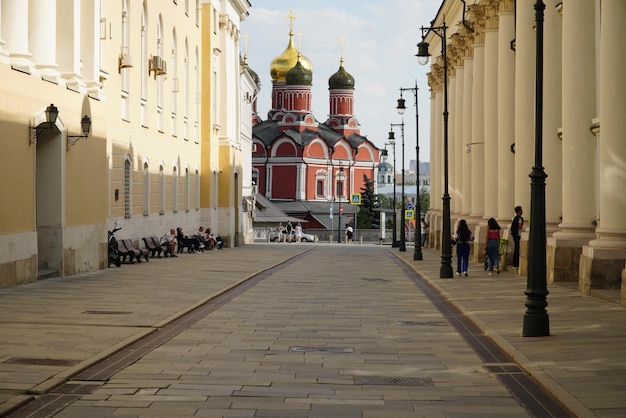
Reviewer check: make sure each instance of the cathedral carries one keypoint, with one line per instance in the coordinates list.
(303, 166)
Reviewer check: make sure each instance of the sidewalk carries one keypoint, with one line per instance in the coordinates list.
(53, 328)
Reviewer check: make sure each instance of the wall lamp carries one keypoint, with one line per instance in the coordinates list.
(85, 124)
(468, 147)
(51, 113)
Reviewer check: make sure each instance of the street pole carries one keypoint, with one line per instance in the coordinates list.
(536, 321)
(394, 238)
(417, 249)
(445, 271)
(402, 242)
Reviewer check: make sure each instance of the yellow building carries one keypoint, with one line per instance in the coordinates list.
(159, 84)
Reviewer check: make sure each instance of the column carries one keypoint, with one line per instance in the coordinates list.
(525, 54)
(42, 28)
(552, 114)
(468, 75)
(490, 103)
(506, 110)
(452, 145)
(610, 247)
(459, 150)
(3, 51)
(15, 32)
(68, 40)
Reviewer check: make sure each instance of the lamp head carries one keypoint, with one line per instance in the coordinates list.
(401, 108)
(422, 53)
(85, 124)
(392, 136)
(51, 114)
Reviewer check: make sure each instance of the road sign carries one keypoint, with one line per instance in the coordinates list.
(355, 198)
(409, 214)
(331, 212)
(340, 208)
(409, 206)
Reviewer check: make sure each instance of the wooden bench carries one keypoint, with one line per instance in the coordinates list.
(153, 246)
(130, 246)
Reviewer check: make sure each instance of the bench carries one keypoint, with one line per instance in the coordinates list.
(153, 246)
(124, 253)
(130, 246)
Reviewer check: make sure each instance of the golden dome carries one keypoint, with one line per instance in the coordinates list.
(287, 60)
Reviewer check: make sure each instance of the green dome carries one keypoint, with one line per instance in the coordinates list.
(341, 80)
(299, 76)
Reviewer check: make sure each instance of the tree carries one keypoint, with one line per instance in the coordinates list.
(367, 217)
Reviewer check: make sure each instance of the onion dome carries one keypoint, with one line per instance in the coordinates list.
(281, 65)
(341, 80)
(299, 76)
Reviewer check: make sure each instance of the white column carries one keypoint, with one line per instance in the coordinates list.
(42, 27)
(490, 103)
(552, 79)
(3, 51)
(525, 52)
(462, 194)
(452, 144)
(433, 125)
(15, 32)
(437, 164)
(612, 204)
(506, 110)
(477, 153)
(468, 75)
(68, 40)
(578, 110)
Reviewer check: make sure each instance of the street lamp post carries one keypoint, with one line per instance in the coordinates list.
(394, 237)
(402, 243)
(339, 192)
(536, 321)
(417, 249)
(445, 271)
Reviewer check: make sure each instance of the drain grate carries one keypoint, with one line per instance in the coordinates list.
(307, 349)
(77, 388)
(393, 381)
(107, 312)
(372, 279)
(41, 361)
(421, 324)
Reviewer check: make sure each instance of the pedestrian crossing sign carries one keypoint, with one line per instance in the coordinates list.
(355, 198)
(409, 214)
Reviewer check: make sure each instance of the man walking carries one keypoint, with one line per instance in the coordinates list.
(516, 232)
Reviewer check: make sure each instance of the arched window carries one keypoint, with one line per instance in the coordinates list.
(146, 189)
(143, 65)
(175, 190)
(197, 189)
(186, 91)
(174, 84)
(187, 189)
(127, 187)
(161, 190)
(320, 188)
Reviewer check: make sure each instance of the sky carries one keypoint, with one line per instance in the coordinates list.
(379, 47)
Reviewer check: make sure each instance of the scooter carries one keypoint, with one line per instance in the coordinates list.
(114, 255)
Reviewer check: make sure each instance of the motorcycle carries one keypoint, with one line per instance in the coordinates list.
(114, 255)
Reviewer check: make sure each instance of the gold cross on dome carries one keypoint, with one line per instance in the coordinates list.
(291, 18)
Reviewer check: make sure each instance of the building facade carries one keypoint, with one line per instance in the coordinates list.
(491, 52)
(155, 82)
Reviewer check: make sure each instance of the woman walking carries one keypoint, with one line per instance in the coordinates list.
(462, 238)
(492, 246)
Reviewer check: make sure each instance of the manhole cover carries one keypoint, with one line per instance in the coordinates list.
(393, 381)
(306, 349)
(41, 361)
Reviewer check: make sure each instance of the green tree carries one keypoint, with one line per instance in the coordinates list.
(367, 217)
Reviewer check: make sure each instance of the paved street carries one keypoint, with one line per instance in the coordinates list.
(332, 331)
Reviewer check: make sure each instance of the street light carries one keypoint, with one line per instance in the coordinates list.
(536, 321)
(417, 249)
(394, 238)
(445, 271)
(392, 135)
(339, 192)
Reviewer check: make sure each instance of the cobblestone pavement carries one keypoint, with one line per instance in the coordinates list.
(340, 331)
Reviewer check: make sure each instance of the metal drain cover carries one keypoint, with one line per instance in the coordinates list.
(504, 369)
(423, 324)
(107, 312)
(307, 349)
(393, 381)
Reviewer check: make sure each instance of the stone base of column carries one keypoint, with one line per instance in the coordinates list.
(563, 259)
(479, 227)
(601, 268)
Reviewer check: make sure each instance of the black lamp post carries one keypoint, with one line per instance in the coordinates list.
(402, 243)
(536, 321)
(339, 192)
(394, 237)
(445, 271)
(417, 249)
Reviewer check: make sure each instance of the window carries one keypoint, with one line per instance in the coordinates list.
(320, 188)
(146, 189)
(161, 190)
(340, 189)
(187, 190)
(175, 190)
(127, 187)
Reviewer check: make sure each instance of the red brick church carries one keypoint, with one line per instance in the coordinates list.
(303, 166)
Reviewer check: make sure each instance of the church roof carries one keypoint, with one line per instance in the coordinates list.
(341, 80)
